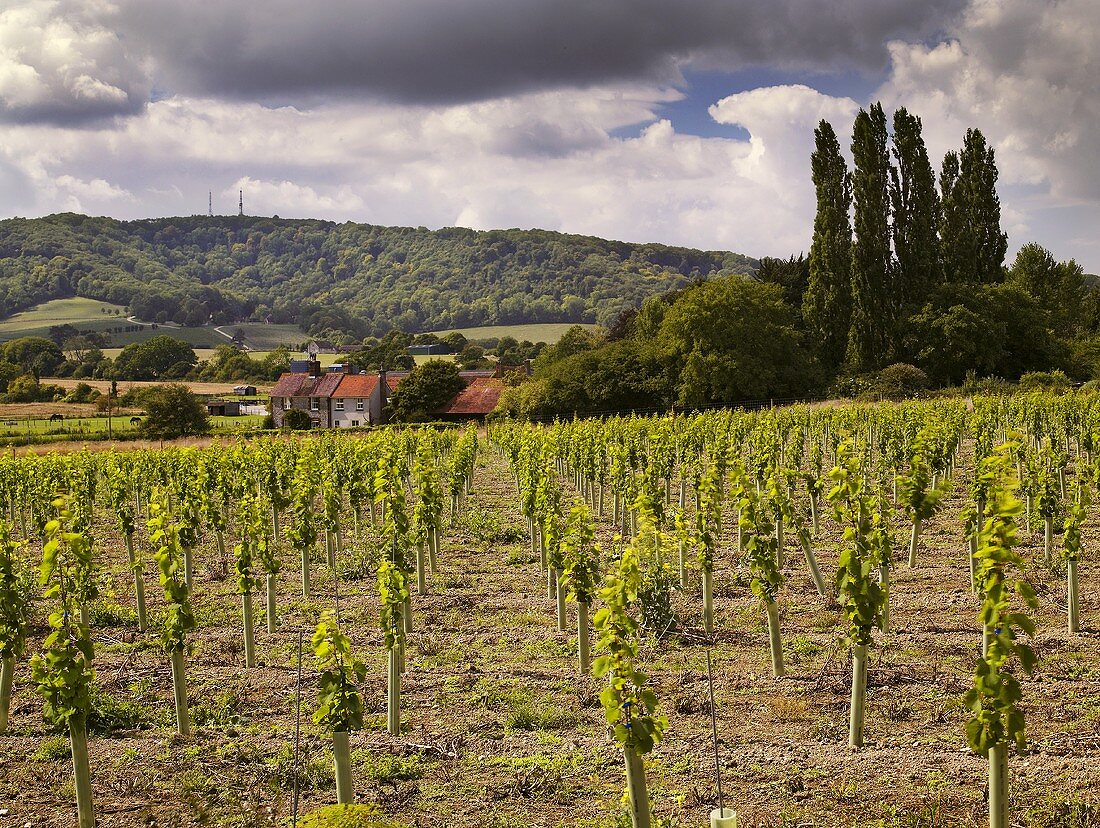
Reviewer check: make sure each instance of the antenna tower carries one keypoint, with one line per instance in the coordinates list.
(210, 202)
(240, 204)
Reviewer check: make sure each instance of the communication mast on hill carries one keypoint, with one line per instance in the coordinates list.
(210, 202)
(240, 204)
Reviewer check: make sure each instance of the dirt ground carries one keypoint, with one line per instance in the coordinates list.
(502, 732)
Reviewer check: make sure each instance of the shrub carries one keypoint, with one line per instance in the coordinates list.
(427, 388)
(82, 393)
(27, 388)
(295, 419)
(173, 411)
(900, 381)
(1056, 382)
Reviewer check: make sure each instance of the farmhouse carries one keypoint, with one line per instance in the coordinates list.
(342, 399)
(320, 346)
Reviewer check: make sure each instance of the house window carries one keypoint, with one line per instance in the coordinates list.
(355, 424)
(339, 405)
(314, 404)
(359, 405)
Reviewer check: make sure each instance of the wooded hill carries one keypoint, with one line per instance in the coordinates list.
(338, 280)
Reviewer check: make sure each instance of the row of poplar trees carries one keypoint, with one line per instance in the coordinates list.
(885, 237)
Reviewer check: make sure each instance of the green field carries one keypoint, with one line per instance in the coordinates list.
(78, 312)
(261, 337)
(88, 314)
(549, 332)
(95, 426)
(208, 353)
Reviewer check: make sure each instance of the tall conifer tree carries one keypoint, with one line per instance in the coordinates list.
(869, 340)
(916, 208)
(827, 303)
(972, 244)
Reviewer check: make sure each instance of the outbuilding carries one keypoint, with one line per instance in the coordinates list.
(223, 408)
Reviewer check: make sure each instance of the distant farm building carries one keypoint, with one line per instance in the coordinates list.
(320, 346)
(343, 399)
(223, 408)
(434, 349)
(244, 390)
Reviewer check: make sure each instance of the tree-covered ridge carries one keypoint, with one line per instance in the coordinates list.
(355, 279)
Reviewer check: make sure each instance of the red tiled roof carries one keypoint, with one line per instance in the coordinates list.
(356, 385)
(477, 399)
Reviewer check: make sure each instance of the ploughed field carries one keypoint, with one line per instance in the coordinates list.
(498, 727)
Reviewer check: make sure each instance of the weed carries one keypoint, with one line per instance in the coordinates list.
(800, 648)
(487, 527)
(897, 710)
(1055, 813)
(109, 614)
(52, 749)
(520, 556)
(222, 712)
(111, 713)
(386, 767)
(360, 563)
(788, 709)
(315, 770)
(530, 717)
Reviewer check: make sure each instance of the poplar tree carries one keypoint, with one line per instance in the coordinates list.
(827, 304)
(972, 244)
(869, 339)
(915, 205)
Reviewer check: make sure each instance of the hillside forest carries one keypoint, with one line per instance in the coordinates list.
(341, 282)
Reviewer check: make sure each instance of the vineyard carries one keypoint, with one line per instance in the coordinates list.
(892, 605)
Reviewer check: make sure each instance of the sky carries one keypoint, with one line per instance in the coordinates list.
(686, 122)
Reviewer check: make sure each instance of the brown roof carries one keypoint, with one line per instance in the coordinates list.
(477, 399)
(303, 385)
(326, 385)
(291, 385)
(356, 385)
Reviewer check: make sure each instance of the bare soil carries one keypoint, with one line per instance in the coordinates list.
(501, 731)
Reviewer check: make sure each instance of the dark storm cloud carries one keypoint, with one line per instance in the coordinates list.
(61, 64)
(442, 51)
(65, 109)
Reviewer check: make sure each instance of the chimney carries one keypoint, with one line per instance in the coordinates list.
(315, 368)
